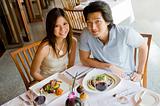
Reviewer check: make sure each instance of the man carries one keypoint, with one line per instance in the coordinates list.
(109, 46)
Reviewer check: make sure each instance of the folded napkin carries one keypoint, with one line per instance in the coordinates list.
(80, 70)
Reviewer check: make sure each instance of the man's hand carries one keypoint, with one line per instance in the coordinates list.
(136, 77)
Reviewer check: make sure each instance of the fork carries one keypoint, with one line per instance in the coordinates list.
(30, 96)
(25, 101)
(78, 75)
(119, 92)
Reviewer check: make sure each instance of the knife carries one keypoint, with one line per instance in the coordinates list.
(69, 74)
(79, 74)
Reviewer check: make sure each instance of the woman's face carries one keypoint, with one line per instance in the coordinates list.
(61, 28)
(96, 24)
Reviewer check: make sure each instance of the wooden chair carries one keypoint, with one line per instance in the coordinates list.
(76, 19)
(148, 37)
(23, 57)
(70, 4)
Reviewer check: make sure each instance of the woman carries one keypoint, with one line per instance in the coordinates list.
(57, 51)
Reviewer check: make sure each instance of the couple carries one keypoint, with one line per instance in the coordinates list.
(102, 44)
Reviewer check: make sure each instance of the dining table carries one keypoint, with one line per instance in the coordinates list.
(121, 9)
(124, 93)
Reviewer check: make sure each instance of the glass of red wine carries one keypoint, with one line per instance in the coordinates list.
(40, 100)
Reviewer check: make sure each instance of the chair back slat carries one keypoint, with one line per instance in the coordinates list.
(27, 58)
(70, 4)
(30, 53)
(147, 37)
(14, 57)
(24, 66)
(23, 57)
(76, 19)
(34, 49)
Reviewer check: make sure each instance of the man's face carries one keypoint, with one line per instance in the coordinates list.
(96, 24)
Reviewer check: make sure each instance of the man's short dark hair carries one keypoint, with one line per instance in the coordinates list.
(99, 6)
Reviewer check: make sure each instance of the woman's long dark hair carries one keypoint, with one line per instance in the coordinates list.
(51, 19)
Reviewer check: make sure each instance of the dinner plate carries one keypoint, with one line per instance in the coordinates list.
(148, 98)
(115, 80)
(65, 86)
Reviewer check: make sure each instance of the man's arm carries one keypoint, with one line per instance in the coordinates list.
(142, 56)
(91, 62)
(87, 61)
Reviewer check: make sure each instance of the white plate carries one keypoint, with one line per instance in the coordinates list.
(95, 72)
(148, 99)
(51, 96)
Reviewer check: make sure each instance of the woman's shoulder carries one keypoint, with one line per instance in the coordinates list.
(44, 46)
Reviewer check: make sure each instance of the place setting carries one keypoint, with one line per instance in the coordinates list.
(97, 82)
(52, 87)
(100, 81)
(146, 97)
(29, 98)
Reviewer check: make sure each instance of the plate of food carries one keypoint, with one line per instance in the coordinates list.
(148, 98)
(98, 81)
(52, 87)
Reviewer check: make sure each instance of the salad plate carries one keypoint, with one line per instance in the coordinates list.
(99, 81)
(64, 85)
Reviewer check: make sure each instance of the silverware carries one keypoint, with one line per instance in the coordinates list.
(127, 94)
(29, 95)
(81, 75)
(27, 102)
(78, 75)
(69, 74)
(130, 93)
(139, 98)
(114, 95)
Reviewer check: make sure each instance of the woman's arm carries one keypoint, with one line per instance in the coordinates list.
(41, 53)
(72, 54)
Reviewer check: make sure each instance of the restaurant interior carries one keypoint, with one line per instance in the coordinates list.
(23, 22)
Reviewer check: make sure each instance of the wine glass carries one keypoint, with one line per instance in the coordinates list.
(121, 97)
(40, 100)
(36, 100)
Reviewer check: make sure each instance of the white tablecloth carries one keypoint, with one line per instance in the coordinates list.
(124, 88)
(106, 99)
(121, 9)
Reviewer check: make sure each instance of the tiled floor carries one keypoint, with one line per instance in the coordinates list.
(12, 85)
